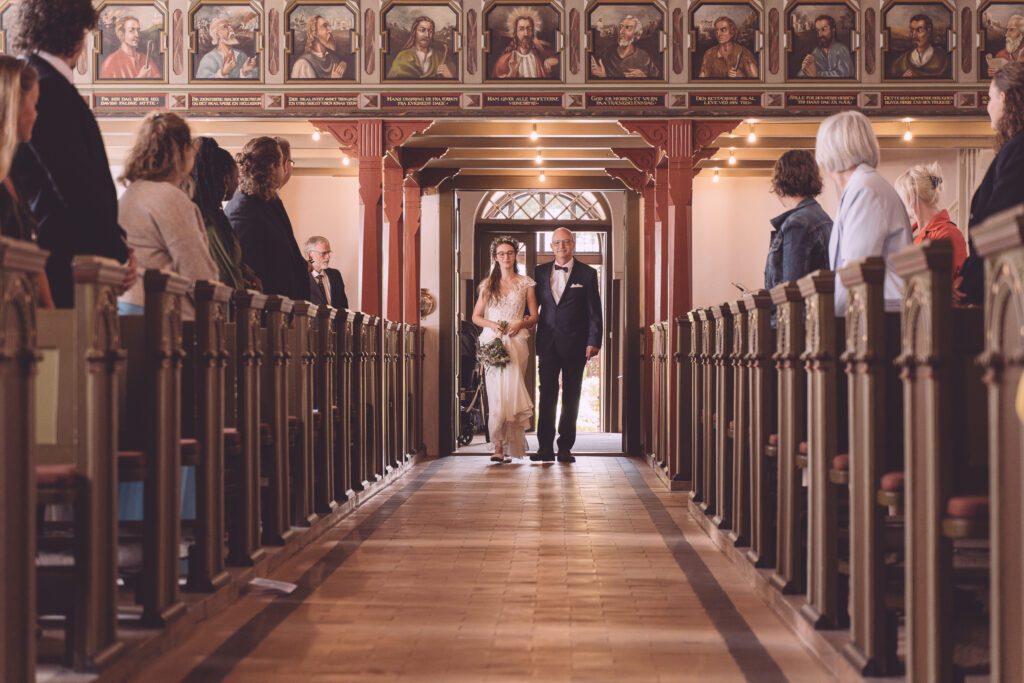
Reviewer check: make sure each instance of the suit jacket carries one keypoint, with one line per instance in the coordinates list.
(338, 298)
(574, 323)
(71, 193)
(1001, 188)
(268, 245)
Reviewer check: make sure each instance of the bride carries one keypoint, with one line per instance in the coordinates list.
(499, 310)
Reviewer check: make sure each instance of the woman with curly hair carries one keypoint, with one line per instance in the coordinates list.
(164, 227)
(260, 223)
(1003, 184)
(504, 296)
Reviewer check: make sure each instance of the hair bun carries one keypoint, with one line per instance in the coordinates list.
(936, 181)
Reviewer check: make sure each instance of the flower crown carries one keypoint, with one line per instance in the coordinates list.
(504, 239)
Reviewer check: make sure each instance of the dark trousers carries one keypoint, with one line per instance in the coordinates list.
(551, 365)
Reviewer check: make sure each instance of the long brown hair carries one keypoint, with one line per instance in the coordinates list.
(491, 286)
(159, 150)
(256, 164)
(17, 78)
(1009, 80)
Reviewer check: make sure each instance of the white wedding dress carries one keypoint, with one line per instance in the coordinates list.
(508, 402)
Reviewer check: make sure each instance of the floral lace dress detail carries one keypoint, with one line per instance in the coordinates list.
(509, 404)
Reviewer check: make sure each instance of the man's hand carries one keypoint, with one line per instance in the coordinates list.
(229, 65)
(249, 67)
(597, 69)
(148, 71)
(550, 62)
(909, 73)
(808, 66)
(131, 273)
(444, 72)
(338, 70)
(634, 73)
(593, 351)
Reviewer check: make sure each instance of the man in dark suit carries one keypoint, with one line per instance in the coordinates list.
(63, 172)
(326, 285)
(568, 335)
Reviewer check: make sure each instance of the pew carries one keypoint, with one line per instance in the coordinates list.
(392, 377)
(683, 424)
(1000, 240)
(826, 434)
(791, 428)
(760, 422)
(343, 469)
(20, 264)
(324, 500)
(697, 406)
(739, 426)
(708, 376)
(722, 416)
(371, 406)
(875, 414)
(943, 432)
(300, 406)
(274, 464)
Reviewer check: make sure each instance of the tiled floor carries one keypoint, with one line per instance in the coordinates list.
(469, 572)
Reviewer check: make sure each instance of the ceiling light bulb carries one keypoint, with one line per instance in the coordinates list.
(316, 135)
(751, 136)
(732, 158)
(345, 161)
(908, 135)
(538, 159)
(715, 178)
(542, 177)
(533, 133)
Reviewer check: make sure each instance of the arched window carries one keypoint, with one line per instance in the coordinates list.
(534, 205)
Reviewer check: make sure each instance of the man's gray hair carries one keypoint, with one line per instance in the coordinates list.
(312, 242)
(845, 141)
(214, 27)
(572, 235)
(638, 33)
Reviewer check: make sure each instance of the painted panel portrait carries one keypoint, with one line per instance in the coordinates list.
(821, 42)
(225, 38)
(1002, 26)
(321, 48)
(129, 43)
(420, 43)
(626, 43)
(726, 42)
(918, 41)
(8, 25)
(523, 42)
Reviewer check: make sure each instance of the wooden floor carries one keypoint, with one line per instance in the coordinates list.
(587, 443)
(466, 571)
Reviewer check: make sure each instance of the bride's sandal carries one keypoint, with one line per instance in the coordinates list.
(497, 457)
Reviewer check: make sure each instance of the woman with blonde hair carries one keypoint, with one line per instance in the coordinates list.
(871, 219)
(920, 188)
(164, 227)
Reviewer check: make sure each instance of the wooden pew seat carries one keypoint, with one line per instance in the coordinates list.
(890, 490)
(191, 452)
(967, 517)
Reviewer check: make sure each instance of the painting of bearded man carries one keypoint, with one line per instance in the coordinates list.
(624, 59)
(323, 56)
(918, 49)
(421, 57)
(526, 55)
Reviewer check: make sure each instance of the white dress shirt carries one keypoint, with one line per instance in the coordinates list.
(559, 279)
(327, 283)
(871, 221)
(528, 65)
(59, 64)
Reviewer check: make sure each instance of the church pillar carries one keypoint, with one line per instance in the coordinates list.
(394, 193)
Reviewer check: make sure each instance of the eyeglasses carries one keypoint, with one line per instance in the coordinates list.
(560, 243)
(504, 253)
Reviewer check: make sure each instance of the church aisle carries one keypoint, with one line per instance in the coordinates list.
(470, 572)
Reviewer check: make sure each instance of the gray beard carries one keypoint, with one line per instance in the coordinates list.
(624, 42)
(1013, 45)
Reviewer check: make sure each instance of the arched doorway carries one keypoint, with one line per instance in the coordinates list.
(530, 216)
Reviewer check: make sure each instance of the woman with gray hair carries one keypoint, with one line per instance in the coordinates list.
(871, 220)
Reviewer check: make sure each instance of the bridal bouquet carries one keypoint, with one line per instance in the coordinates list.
(493, 354)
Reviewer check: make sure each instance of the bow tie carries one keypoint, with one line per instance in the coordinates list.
(565, 268)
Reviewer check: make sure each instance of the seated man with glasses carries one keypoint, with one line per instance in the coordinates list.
(326, 285)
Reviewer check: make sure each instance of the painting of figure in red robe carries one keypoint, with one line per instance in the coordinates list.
(524, 43)
(129, 45)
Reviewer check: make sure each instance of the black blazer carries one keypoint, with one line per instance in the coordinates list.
(574, 323)
(1001, 188)
(268, 245)
(71, 194)
(338, 298)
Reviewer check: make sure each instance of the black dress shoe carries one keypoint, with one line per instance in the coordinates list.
(543, 455)
(566, 456)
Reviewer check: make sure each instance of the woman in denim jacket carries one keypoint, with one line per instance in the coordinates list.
(799, 242)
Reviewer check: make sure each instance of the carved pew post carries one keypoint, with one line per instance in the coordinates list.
(697, 406)
(300, 391)
(323, 453)
(707, 454)
(206, 557)
(19, 263)
(358, 415)
(391, 402)
(651, 449)
(341, 397)
(760, 423)
(792, 416)
(375, 412)
(411, 391)
(681, 470)
(162, 437)
(874, 408)
(244, 537)
(927, 368)
(722, 408)
(1001, 241)
(741, 446)
(274, 411)
(665, 361)
(821, 363)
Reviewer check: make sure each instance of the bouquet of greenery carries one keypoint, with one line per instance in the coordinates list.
(493, 354)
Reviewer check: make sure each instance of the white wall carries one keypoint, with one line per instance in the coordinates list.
(731, 218)
(329, 206)
(430, 279)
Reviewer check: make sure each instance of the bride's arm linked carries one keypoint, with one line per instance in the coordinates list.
(478, 314)
(530, 320)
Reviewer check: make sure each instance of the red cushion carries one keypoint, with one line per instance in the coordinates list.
(893, 481)
(294, 422)
(841, 462)
(130, 464)
(802, 448)
(265, 431)
(232, 439)
(967, 507)
(191, 450)
(55, 475)
(773, 439)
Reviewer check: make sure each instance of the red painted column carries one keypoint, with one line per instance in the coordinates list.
(661, 207)
(412, 250)
(394, 193)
